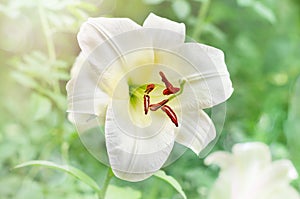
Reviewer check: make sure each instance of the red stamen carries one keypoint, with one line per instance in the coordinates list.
(146, 103)
(170, 89)
(171, 114)
(149, 88)
(154, 107)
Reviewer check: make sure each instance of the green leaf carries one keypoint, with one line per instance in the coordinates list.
(169, 179)
(78, 13)
(114, 192)
(245, 2)
(259, 8)
(202, 1)
(264, 12)
(24, 80)
(181, 8)
(40, 105)
(89, 7)
(28, 188)
(65, 168)
(215, 31)
(60, 100)
(292, 126)
(153, 2)
(61, 64)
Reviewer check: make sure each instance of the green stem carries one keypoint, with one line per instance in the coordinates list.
(65, 151)
(181, 82)
(49, 41)
(109, 175)
(47, 33)
(202, 14)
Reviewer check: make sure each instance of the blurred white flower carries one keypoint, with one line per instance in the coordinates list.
(249, 173)
(147, 88)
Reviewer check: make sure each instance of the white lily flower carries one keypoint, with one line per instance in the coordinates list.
(249, 173)
(147, 88)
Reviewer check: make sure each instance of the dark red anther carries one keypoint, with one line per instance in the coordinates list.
(170, 89)
(146, 103)
(149, 88)
(170, 113)
(154, 107)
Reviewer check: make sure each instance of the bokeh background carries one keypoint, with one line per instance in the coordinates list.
(261, 41)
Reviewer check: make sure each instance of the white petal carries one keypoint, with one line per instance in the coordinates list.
(132, 68)
(132, 177)
(252, 154)
(119, 55)
(97, 30)
(221, 158)
(84, 122)
(281, 171)
(156, 22)
(136, 153)
(165, 33)
(204, 69)
(115, 43)
(84, 96)
(249, 173)
(222, 189)
(196, 130)
(283, 192)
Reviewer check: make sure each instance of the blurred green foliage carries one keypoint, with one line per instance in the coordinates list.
(261, 41)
